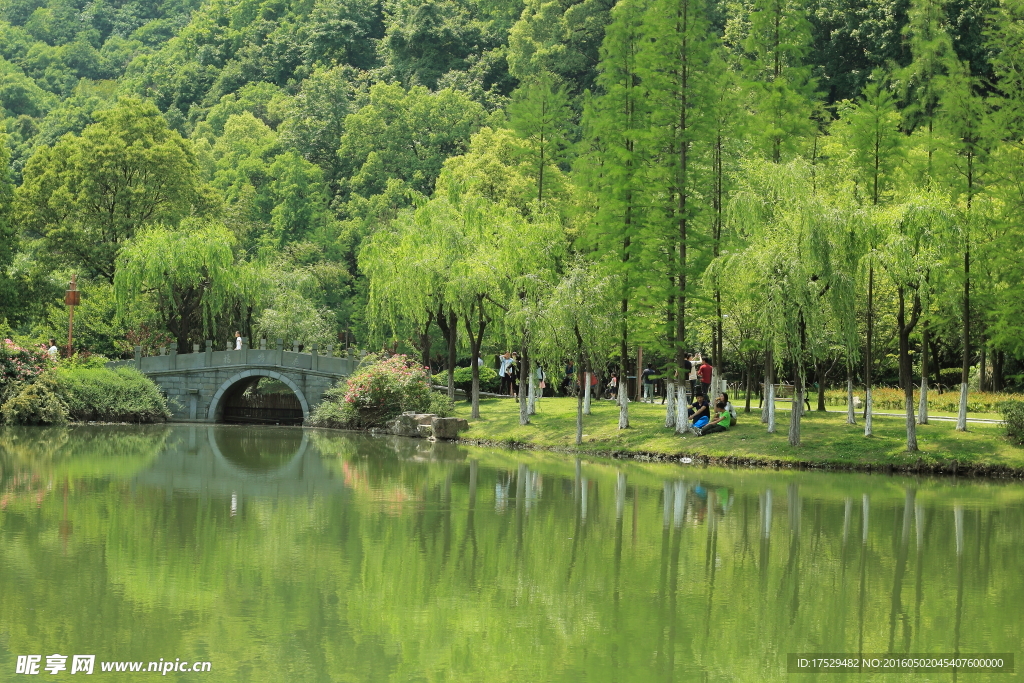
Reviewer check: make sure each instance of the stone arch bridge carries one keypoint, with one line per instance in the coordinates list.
(199, 384)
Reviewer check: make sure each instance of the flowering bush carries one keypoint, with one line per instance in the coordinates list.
(19, 365)
(379, 390)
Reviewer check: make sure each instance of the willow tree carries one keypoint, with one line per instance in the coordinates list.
(910, 250)
(573, 322)
(407, 267)
(801, 256)
(869, 129)
(184, 275)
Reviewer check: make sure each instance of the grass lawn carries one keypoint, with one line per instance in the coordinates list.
(826, 438)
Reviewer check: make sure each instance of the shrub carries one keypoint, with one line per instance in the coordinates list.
(489, 380)
(1013, 418)
(378, 391)
(36, 404)
(441, 405)
(19, 365)
(887, 399)
(102, 394)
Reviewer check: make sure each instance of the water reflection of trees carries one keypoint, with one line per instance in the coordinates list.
(511, 567)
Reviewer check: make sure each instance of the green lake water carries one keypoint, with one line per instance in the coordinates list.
(282, 554)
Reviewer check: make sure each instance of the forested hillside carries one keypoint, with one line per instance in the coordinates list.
(828, 189)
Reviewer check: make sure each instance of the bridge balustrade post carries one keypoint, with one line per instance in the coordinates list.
(195, 347)
(138, 358)
(245, 350)
(295, 346)
(209, 353)
(263, 343)
(330, 350)
(279, 347)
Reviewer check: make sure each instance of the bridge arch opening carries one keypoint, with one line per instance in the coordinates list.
(259, 397)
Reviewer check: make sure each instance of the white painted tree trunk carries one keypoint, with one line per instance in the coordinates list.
(531, 396)
(682, 414)
(764, 404)
(586, 393)
(867, 412)
(961, 418)
(623, 406)
(670, 405)
(911, 424)
(851, 416)
(770, 400)
(922, 406)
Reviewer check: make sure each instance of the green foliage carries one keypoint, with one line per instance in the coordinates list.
(1013, 418)
(888, 399)
(441, 405)
(405, 134)
(38, 403)
(88, 195)
(101, 394)
(489, 380)
(378, 391)
(185, 275)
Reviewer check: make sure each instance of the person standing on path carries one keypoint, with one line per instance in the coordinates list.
(505, 359)
(691, 365)
(647, 378)
(238, 340)
(705, 372)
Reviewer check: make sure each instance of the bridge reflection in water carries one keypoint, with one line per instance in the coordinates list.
(240, 461)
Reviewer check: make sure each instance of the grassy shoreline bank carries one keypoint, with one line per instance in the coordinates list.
(828, 442)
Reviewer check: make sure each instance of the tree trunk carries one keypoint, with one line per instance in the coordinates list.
(746, 408)
(670, 405)
(586, 389)
(906, 368)
(965, 370)
(682, 415)
(531, 396)
(851, 415)
(982, 380)
(819, 371)
(579, 419)
(770, 403)
(449, 328)
(867, 411)
(922, 407)
(769, 387)
(997, 371)
(796, 413)
(623, 405)
(867, 350)
(524, 373)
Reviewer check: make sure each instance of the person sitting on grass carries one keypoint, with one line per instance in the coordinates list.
(724, 398)
(720, 423)
(700, 412)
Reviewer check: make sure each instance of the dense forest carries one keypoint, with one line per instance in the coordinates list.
(822, 191)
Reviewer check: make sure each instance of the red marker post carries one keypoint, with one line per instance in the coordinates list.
(72, 297)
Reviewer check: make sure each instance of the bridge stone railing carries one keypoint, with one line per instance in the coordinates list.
(194, 383)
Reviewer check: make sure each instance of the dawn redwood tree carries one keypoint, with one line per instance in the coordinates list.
(615, 122)
(965, 116)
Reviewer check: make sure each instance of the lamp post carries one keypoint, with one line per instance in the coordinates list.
(72, 297)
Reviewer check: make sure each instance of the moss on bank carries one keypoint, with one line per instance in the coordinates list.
(827, 441)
